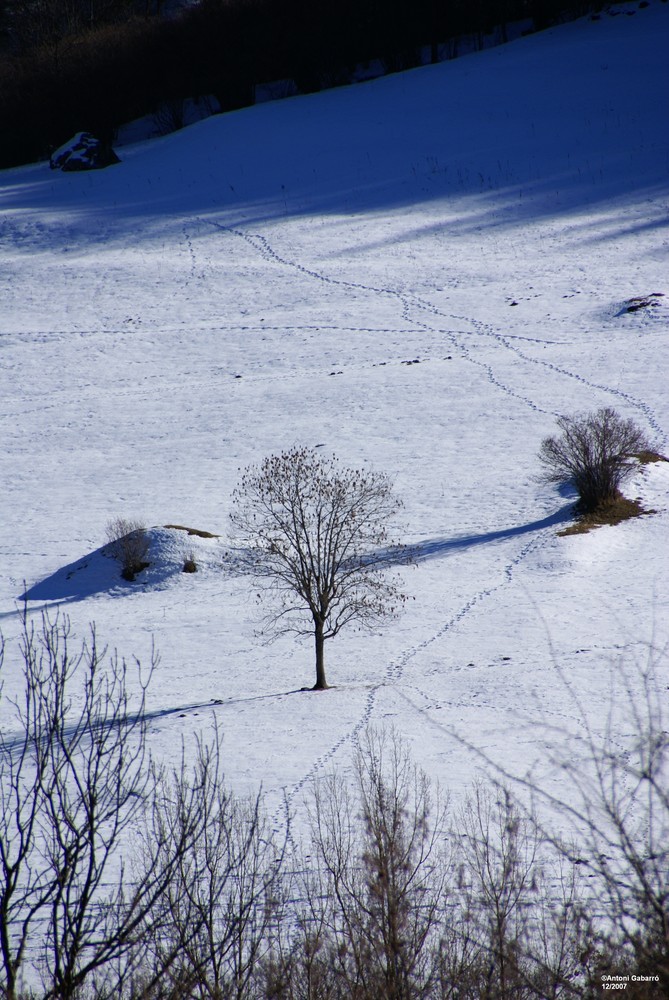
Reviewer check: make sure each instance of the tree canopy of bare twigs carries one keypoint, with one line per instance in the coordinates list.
(521, 927)
(609, 832)
(216, 920)
(320, 544)
(593, 450)
(401, 902)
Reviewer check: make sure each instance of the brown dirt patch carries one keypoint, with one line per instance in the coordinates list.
(647, 457)
(191, 531)
(611, 512)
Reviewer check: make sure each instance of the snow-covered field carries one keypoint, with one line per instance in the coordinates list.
(417, 274)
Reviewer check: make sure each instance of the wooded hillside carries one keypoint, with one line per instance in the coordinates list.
(70, 65)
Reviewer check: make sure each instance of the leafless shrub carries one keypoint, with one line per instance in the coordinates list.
(497, 877)
(387, 903)
(192, 914)
(594, 451)
(607, 842)
(619, 817)
(128, 543)
(392, 906)
(521, 927)
(374, 906)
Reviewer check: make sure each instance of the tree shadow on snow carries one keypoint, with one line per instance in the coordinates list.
(435, 547)
(98, 573)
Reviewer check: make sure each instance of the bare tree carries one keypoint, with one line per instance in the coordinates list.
(24, 887)
(518, 928)
(49, 24)
(619, 817)
(593, 450)
(498, 883)
(393, 906)
(384, 877)
(299, 966)
(75, 780)
(521, 916)
(215, 922)
(92, 790)
(559, 935)
(319, 537)
(612, 833)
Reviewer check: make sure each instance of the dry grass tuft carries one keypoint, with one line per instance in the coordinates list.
(610, 512)
(190, 565)
(192, 531)
(647, 457)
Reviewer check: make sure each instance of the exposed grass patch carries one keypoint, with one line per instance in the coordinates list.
(609, 512)
(190, 566)
(643, 302)
(647, 457)
(191, 531)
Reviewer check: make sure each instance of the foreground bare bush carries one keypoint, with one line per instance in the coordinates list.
(74, 776)
(385, 882)
(216, 920)
(522, 927)
(116, 880)
(120, 881)
(396, 905)
(618, 814)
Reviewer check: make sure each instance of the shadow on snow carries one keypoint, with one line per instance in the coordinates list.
(98, 573)
(434, 548)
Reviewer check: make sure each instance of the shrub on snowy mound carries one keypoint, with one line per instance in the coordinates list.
(128, 543)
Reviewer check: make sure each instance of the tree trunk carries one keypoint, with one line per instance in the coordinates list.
(321, 683)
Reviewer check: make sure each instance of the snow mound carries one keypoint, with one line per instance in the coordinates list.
(171, 548)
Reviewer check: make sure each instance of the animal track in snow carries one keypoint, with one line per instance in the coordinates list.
(416, 314)
(410, 304)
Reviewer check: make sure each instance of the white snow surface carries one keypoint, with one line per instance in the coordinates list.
(418, 274)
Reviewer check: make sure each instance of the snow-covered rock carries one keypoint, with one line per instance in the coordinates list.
(83, 152)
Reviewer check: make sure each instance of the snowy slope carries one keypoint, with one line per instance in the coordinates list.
(418, 274)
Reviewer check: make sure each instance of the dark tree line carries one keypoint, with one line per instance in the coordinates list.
(72, 65)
